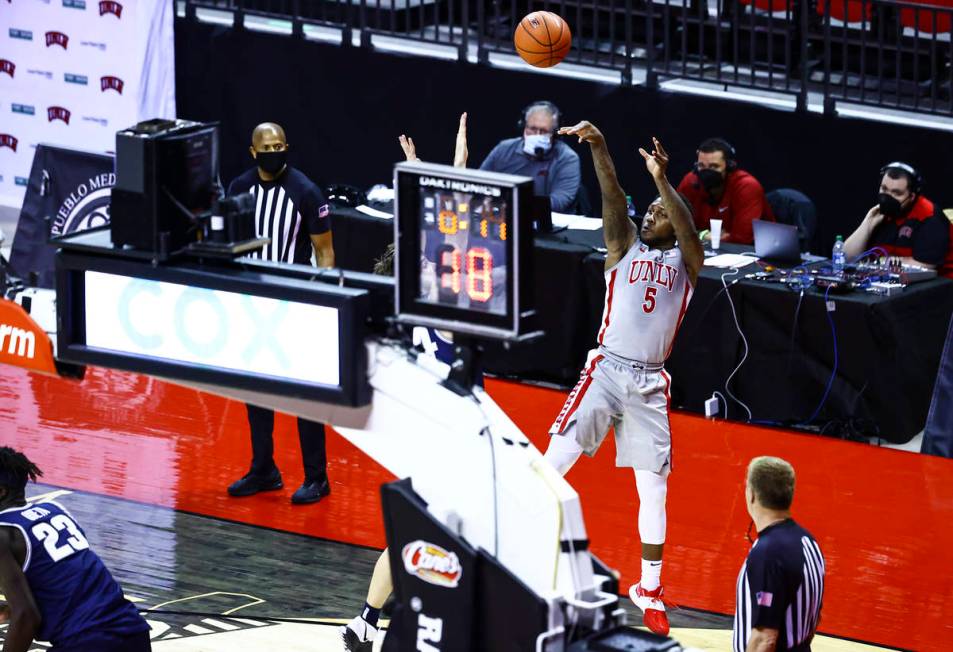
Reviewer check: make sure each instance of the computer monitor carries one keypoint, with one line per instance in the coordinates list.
(166, 176)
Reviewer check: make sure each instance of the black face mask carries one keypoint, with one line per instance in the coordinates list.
(889, 205)
(272, 162)
(710, 179)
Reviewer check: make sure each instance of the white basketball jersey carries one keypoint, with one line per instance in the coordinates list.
(647, 293)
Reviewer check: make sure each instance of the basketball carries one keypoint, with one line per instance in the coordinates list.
(542, 39)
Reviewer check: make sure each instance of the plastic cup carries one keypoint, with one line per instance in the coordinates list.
(715, 233)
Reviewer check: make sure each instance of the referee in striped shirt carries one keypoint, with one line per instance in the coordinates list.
(781, 585)
(289, 209)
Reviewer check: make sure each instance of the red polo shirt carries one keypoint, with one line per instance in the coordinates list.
(921, 234)
(742, 202)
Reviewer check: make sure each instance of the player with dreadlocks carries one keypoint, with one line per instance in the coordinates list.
(57, 589)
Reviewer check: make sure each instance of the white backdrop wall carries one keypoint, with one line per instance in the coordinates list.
(73, 72)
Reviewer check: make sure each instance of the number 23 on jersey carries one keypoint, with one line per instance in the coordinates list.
(51, 533)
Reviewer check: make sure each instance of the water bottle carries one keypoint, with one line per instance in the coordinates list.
(630, 208)
(839, 258)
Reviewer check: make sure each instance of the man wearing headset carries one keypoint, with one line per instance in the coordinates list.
(551, 163)
(719, 189)
(903, 222)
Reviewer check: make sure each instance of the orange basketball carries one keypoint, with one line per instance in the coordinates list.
(542, 38)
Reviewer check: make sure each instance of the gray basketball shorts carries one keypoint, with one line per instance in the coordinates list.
(628, 396)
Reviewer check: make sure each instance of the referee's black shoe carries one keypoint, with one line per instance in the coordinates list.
(252, 483)
(311, 492)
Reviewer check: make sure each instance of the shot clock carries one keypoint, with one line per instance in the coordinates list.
(462, 249)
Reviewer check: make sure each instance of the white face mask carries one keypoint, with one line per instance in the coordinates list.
(537, 142)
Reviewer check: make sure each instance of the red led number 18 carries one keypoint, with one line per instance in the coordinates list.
(479, 272)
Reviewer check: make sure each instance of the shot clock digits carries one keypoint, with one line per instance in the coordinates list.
(464, 245)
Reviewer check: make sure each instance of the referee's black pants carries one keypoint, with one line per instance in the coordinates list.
(310, 434)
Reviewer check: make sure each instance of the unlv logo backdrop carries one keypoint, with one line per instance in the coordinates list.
(57, 38)
(6, 140)
(110, 82)
(110, 7)
(37, 76)
(58, 113)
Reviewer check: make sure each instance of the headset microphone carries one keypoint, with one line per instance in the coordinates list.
(915, 178)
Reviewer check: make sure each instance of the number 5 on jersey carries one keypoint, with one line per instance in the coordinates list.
(50, 533)
(649, 304)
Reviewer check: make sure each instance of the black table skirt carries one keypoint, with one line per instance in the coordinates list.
(888, 351)
(888, 347)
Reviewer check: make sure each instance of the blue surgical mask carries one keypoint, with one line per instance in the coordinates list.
(537, 144)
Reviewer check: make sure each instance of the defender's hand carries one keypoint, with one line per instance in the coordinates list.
(656, 162)
(585, 131)
(460, 153)
(407, 144)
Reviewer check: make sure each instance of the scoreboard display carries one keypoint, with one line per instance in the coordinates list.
(462, 249)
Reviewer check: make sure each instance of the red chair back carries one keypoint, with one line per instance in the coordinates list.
(926, 21)
(772, 6)
(846, 11)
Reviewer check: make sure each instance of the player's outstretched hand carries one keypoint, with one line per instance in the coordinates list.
(656, 162)
(585, 131)
(4, 613)
(460, 153)
(407, 144)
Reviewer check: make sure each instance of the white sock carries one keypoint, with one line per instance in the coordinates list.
(651, 574)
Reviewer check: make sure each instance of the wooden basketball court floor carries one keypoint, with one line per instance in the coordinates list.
(211, 585)
(143, 465)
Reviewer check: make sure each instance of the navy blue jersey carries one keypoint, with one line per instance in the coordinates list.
(781, 586)
(433, 342)
(79, 601)
(289, 210)
(439, 345)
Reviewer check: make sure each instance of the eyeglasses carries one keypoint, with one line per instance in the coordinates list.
(536, 131)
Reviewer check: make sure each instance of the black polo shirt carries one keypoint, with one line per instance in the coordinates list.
(921, 234)
(780, 586)
(289, 210)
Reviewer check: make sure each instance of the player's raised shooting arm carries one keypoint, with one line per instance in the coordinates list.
(678, 213)
(24, 615)
(618, 230)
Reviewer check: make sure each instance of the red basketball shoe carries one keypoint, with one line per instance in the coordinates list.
(652, 606)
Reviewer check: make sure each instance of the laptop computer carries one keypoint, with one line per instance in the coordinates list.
(773, 241)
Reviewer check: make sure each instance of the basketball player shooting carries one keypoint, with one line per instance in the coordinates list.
(650, 276)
